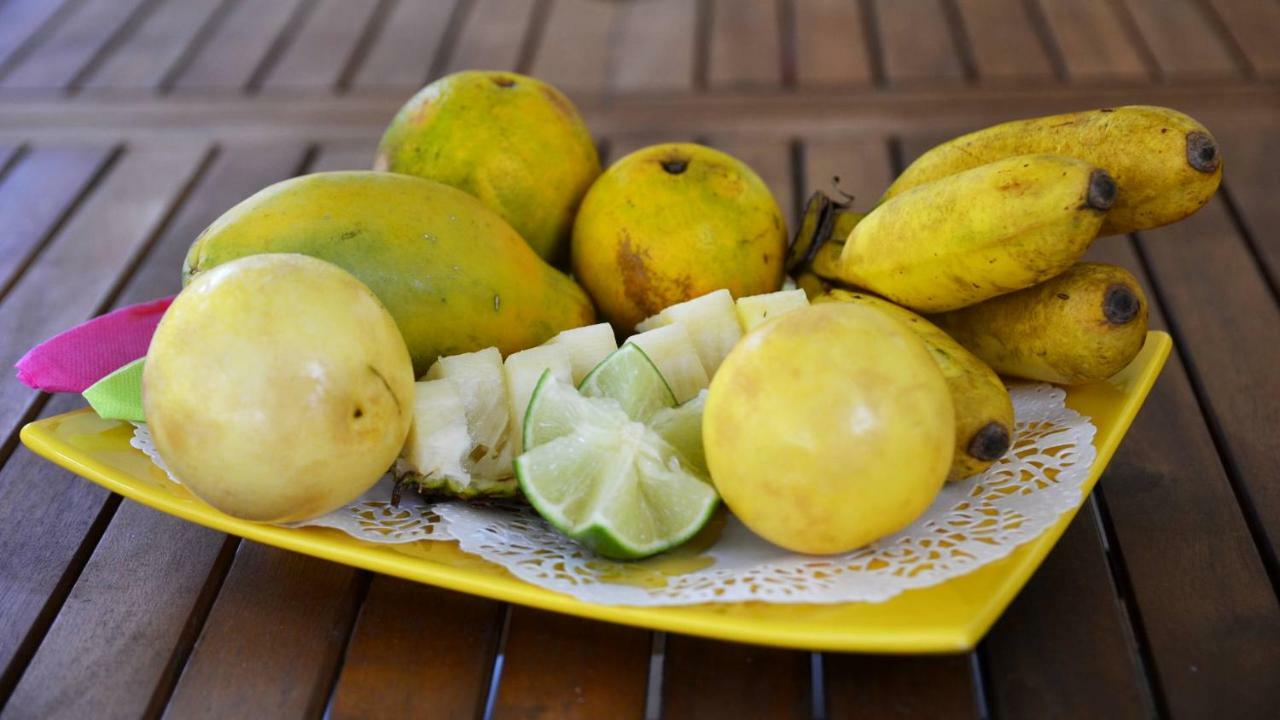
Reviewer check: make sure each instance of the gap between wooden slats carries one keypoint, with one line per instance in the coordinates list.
(146, 53)
(79, 41)
(24, 24)
(247, 38)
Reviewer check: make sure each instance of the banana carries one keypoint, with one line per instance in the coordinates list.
(1082, 326)
(812, 285)
(977, 234)
(824, 227)
(984, 412)
(1165, 164)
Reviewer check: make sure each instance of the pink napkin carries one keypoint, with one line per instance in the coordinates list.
(83, 355)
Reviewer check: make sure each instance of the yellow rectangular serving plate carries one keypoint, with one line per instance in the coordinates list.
(948, 617)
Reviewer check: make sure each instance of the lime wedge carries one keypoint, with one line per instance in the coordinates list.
(628, 376)
(621, 487)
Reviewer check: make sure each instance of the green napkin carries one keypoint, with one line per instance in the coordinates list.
(118, 396)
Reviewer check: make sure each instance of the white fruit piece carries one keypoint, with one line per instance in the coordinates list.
(788, 283)
(653, 322)
(482, 385)
(523, 372)
(586, 346)
(754, 310)
(438, 441)
(712, 324)
(673, 352)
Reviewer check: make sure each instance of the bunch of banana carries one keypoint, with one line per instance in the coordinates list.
(984, 233)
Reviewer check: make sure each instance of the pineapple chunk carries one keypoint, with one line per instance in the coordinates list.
(711, 322)
(438, 441)
(754, 310)
(482, 386)
(586, 346)
(524, 369)
(671, 350)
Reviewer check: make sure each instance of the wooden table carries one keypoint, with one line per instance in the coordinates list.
(127, 125)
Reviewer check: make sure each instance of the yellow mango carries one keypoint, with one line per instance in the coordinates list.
(453, 274)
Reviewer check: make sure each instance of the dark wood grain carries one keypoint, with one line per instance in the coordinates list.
(1253, 26)
(492, 35)
(1064, 647)
(1252, 185)
(228, 58)
(405, 49)
(708, 678)
(126, 612)
(86, 257)
(745, 45)
(655, 47)
(1183, 40)
(885, 686)
(62, 54)
(147, 54)
(575, 52)
(1214, 322)
(1093, 41)
(273, 640)
(1005, 46)
(418, 651)
(321, 50)
(555, 666)
(831, 44)
(917, 43)
(34, 195)
(45, 515)
(1200, 591)
(21, 20)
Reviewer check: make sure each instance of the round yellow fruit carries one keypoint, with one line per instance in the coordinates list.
(277, 387)
(669, 223)
(828, 428)
(514, 142)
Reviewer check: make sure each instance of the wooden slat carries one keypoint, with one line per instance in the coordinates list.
(862, 164)
(77, 269)
(870, 687)
(273, 640)
(556, 666)
(708, 678)
(227, 60)
(8, 154)
(1185, 44)
(1093, 41)
(82, 262)
(1207, 610)
(149, 52)
(1253, 184)
(405, 49)
(318, 54)
(1215, 320)
(345, 156)
(492, 35)
(20, 20)
(745, 45)
(34, 195)
(126, 613)
(917, 44)
(1069, 610)
(36, 496)
(418, 651)
(831, 44)
(654, 47)
(575, 53)
(1254, 27)
(1005, 46)
(64, 52)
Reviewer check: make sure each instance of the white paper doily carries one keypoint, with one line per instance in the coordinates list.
(971, 523)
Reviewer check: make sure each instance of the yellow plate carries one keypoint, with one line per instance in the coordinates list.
(949, 617)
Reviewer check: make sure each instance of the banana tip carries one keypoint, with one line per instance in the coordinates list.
(1120, 304)
(1202, 152)
(1102, 190)
(991, 442)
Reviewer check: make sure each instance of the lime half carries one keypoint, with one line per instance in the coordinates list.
(621, 487)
